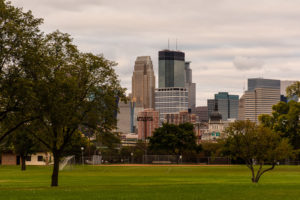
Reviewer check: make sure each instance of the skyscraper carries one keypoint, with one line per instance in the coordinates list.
(176, 91)
(228, 105)
(190, 86)
(261, 95)
(143, 82)
(171, 70)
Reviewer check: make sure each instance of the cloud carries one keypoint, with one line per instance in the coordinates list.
(211, 33)
(246, 63)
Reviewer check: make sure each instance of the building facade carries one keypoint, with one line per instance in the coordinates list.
(241, 115)
(171, 69)
(228, 105)
(147, 121)
(190, 86)
(202, 113)
(143, 82)
(261, 95)
(170, 100)
(180, 118)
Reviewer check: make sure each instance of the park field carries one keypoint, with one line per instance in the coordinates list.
(149, 182)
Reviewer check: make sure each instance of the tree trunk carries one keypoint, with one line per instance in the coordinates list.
(23, 162)
(54, 180)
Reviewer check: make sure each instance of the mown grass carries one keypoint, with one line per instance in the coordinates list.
(157, 182)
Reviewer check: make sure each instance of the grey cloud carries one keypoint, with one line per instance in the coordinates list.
(211, 33)
(246, 63)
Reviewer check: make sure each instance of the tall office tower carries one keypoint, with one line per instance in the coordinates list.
(241, 115)
(261, 95)
(171, 69)
(190, 86)
(176, 91)
(228, 105)
(143, 82)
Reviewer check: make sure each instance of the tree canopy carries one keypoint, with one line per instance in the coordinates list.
(173, 139)
(52, 87)
(285, 121)
(257, 146)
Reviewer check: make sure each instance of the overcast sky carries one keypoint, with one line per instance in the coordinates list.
(227, 41)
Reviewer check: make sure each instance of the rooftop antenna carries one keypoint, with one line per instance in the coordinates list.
(169, 43)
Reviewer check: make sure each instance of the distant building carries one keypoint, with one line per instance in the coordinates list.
(261, 95)
(215, 126)
(228, 105)
(176, 91)
(170, 100)
(143, 82)
(190, 86)
(171, 69)
(147, 121)
(40, 158)
(129, 139)
(123, 118)
(241, 115)
(180, 118)
(202, 113)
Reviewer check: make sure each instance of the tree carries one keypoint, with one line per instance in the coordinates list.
(256, 145)
(70, 90)
(173, 139)
(19, 35)
(24, 145)
(293, 90)
(285, 121)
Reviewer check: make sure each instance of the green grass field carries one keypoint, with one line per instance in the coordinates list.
(157, 182)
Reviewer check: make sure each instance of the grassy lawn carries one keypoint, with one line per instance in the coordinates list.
(158, 182)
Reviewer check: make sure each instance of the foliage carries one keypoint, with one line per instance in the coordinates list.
(285, 121)
(47, 83)
(213, 149)
(173, 139)
(19, 35)
(256, 145)
(293, 90)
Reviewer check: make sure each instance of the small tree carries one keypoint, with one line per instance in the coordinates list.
(256, 145)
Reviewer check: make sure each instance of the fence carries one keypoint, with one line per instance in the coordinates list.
(165, 159)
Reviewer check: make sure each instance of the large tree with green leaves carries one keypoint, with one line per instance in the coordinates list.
(19, 34)
(259, 147)
(71, 89)
(173, 139)
(285, 121)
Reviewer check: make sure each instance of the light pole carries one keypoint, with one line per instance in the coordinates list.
(131, 157)
(82, 148)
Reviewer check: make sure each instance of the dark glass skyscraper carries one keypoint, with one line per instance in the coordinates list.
(171, 69)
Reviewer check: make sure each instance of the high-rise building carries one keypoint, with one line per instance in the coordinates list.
(143, 82)
(190, 86)
(171, 70)
(241, 115)
(228, 105)
(176, 91)
(261, 95)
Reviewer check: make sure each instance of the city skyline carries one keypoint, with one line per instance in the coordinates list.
(221, 38)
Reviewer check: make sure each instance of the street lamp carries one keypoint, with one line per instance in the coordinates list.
(82, 148)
